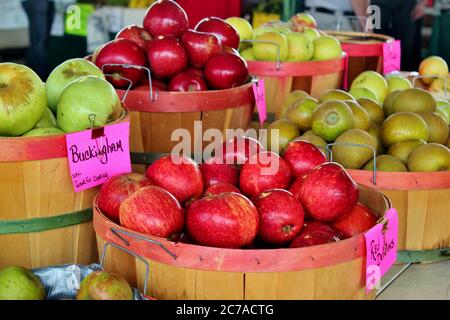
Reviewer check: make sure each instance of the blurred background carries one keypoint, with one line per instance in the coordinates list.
(44, 33)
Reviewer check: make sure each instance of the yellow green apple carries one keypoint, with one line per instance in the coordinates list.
(243, 27)
(48, 120)
(22, 99)
(311, 33)
(247, 54)
(398, 83)
(300, 47)
(327, 48)
(433, 66)
(373, 81)
(270, 44)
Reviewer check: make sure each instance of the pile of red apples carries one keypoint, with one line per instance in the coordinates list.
(180, 59)
(302, 201)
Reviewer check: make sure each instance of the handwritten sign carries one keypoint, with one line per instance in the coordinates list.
(94, 157)
(392, 54)
(260, 98)
(381, 246)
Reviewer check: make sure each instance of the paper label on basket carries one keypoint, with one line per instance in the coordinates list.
(96, 155)
(392, 54)
(381, 249)
(260, 99)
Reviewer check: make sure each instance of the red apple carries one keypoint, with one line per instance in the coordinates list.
(152, 210)
(215, 171)
(281, 216)
(226, 70)
(135, 33)
(358, 220)
(262, 172)
(317, 226)
(227, 34)
(227, 220)
(116, 189)
(295, 188)
(219, 188)
(122, 51)
(166, 56)
(200, 46)
(303, 156)
(309, 238)
(166, 18)
(157, 85)
(179, 175)
(327, 192)
(101, 285)
(187, 81)
(197, 71)
(238, 150)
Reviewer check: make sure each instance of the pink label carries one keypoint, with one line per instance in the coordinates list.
(96, 155)
(381, 249)
(260, 97)
(346, 72)
(392, 54)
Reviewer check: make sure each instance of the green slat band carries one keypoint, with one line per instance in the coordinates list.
(44, 224)
(422, 256)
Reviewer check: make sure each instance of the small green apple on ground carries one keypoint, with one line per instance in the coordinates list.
(17, 283)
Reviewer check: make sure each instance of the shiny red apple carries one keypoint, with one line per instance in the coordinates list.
(238, 150)
(167, 57)
(227, 220)
(308, 239)
(117, 189)
(227, 34)
(262, 172)
(179, 175)
(166, 18)
(360, 219)
(216, 171)
(226, 70)
(187, 81)
(152, 210)
(124, 52)
(327, 192)
(135, 33)
(219, 188)
(200, 46)
(281, 216)
(303, 156)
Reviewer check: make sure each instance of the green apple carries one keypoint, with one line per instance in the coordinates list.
(373, 81)
(300, 47)
(267, 49)
(273, 26)
(398, 83)
(41, 132)
(64, 74)
(327, 48)
(247, 54)
(48, 120)
(17, 283)
(304, 19)
(443, 108)
(359, 93)
(243, 27)
(87, 102)
(22, 99)
(433, 66)
(311, 33)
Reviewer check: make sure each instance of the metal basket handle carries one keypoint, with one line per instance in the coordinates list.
(147, 266)
(118, 233)
(329, 154)
(130, 66)
(278, 62)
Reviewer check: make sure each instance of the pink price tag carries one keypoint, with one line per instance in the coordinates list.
(98, 154)
(381, 249)
(260, 98)
(392, 54)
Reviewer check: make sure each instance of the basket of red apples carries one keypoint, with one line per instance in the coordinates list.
(177, 76)
(244, 224)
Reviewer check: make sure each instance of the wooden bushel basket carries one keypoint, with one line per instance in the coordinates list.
(422, 200)
(42, 220)
(185, 271)
(154, 120)
(365, 51)
(313, 77)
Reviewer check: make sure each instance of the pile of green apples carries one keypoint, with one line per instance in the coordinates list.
(403, 127)
(75, 97)
(295, 41)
